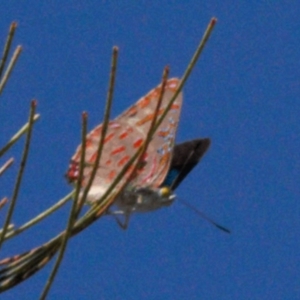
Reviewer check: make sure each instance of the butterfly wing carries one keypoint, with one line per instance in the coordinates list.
(159, 152)
(185, 157)
(124, 136)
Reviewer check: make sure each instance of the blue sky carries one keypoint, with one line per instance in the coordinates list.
(243, 94)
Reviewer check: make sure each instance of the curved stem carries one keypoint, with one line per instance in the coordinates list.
(40, 217)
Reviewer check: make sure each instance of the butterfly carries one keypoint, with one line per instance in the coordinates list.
(162, 168)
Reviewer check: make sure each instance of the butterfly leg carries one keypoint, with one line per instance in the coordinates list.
(123, 224)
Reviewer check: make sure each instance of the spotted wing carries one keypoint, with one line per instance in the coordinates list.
(159, 152)
(124, 136)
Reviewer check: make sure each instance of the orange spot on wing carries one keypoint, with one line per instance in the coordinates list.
(163, 133)
(132, 111)
(108, 162)
(123, 161)
(96, 131)
(88, 143)
(118, 150)
(164, 159)
(175, 106)
(155, 93)
(144, 120)
(108, 137)
(111, 175)
(144, 102)
(148, 118)
(93, 158)
(138, 143)
(123, 135)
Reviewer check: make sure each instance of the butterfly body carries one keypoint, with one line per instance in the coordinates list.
(143, 200)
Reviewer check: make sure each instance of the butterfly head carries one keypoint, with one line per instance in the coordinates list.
(166, 193)
(145, 199)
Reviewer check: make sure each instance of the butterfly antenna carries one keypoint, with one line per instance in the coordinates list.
(203, 216)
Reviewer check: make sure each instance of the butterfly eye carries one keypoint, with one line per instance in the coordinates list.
(165, 191)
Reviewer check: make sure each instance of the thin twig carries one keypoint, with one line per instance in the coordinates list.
(20, 173)
(105, 121)
(10, 68)
(153, 122)
(189, 69)
(198, 51)
(78, 197)
(15, 138)
(74, 212)
(6, 165)
(7, 45)
(40, 217)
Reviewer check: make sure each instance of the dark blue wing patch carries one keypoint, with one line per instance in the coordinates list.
(185, 157)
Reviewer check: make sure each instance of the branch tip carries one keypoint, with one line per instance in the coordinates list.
(213, 21)
(84, 115)
(19, 49)
(3, 202)
(13, 25)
